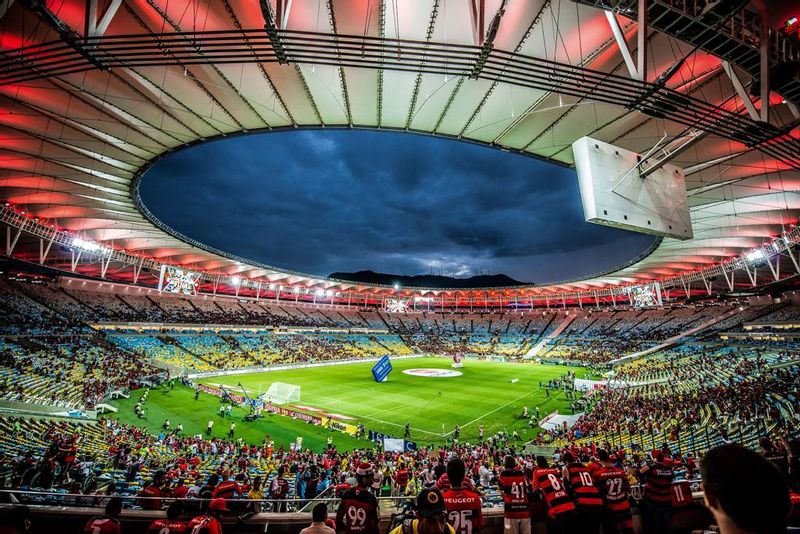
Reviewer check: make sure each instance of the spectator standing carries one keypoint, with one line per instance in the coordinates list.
(613, 484)
(209, 522)
(464, 507)
(586, 495)
(279, 490)
(560, 508)
(358, 510)
(516, 517)
(657, 504)
(431, 516)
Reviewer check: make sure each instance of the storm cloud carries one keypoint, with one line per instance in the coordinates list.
(320, 201)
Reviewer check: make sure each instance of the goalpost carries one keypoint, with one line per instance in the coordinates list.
(281, 393)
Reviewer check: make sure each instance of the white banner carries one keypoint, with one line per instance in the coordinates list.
(583, 384)
(393, 445)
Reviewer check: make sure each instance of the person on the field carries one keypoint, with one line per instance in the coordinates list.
(464, 507)
(745, 492)
(358, 509)
(209, 522)
(172, 523)
(516, 518)
(108, 523)
(209, 427)
(232, 429)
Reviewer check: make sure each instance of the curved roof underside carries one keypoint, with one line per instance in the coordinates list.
(74, 137)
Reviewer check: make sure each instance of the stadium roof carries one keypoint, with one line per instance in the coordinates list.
(92, 93)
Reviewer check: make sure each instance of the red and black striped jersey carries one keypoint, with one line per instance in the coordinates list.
(613, 485)
(464, 510)
(548, 480)
(584, 491)
(659, 482)
(358, 513)
(515, 493)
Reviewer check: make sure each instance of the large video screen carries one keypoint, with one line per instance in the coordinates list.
(397, 305)
(646, 296)
(174, 280)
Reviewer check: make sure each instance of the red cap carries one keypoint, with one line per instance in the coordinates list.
(218, 504)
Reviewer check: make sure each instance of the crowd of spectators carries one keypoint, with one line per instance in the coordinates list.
(76, 370)
(93, 464)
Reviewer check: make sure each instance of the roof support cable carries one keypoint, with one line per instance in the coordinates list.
(271, 27)
(39, 7)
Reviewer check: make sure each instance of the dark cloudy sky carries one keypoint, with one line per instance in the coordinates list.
(335, 200)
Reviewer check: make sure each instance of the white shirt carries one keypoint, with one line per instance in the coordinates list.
(485, 476)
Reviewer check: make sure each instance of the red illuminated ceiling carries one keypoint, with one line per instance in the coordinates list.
(73, 143)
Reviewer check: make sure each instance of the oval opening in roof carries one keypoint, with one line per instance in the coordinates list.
(332, 202)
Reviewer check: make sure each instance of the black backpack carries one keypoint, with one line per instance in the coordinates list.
(405, 517)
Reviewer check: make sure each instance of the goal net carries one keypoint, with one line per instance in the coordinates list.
(281, 393)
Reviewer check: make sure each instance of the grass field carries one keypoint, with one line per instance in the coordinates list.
(483, 394)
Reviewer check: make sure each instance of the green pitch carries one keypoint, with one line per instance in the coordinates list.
(483, 394)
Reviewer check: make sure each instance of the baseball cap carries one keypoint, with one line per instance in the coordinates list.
(218, 504)
(430, 502)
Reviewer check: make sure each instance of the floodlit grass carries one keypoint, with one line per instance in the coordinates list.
(484, 395)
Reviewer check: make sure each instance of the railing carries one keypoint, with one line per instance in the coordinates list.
(41, 497)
